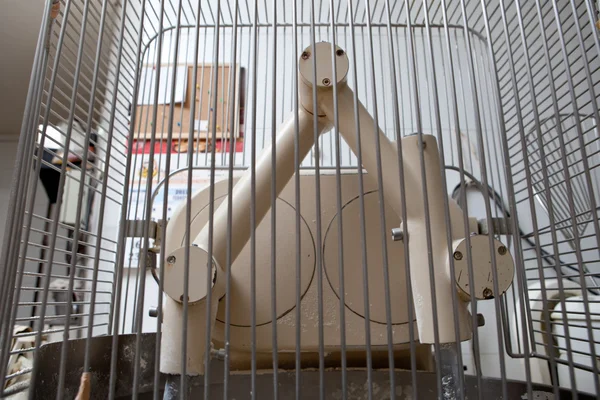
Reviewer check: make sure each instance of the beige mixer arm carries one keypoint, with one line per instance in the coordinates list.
(173, 319)
(423, 253)
(415, 227)
(242, 192)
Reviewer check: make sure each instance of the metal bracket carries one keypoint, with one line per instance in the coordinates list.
(135, 228)
(500, 226)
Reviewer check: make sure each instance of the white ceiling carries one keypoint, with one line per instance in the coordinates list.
(19, 27)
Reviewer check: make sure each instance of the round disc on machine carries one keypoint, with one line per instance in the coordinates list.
(324, 72)
(285, 269)
(353, 265)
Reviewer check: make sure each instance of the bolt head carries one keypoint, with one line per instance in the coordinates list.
(458, 255)
(397, 234)
(326, 82)
(305, 55)
(502, 250)
(488, 294)
(171, 259)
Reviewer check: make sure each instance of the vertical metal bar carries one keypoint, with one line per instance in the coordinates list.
(211, 209)
(164, 101)
(380, 194)
(297, 204)
(361, 196)
(210, 93)
(383, 83)
(264, 107)
(486, 123)
(415, 95)
(338, 181)
(188, 212)
(483, 171)
(455, 377)
(274, 209)
(233, 117)
(464, 205)
(464, 104)
(492, 118)
(426, 77)
(247, 88)
(283, 72)
(199, 101)
(224, 128)
(180, 122)
(138, 189)
(253, 208)
(319, 264)
(158, 348)
(404, 217)
(336, 134)
(137, 198)
(147, 215)
(330, 134)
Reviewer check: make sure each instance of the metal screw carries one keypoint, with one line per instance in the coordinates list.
(305, 55)
(153, 312)
(458, 255)
(397, 234)
(339, 52)
(326, 82)
(502, 250)
(488, 294)
(171, 259)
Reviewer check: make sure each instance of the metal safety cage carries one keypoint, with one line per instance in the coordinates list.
(279, 199)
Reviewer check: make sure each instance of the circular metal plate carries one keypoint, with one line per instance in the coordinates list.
(285, 268)
(324, 71)
(353, 265)
(175, 272)
(482, 266)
